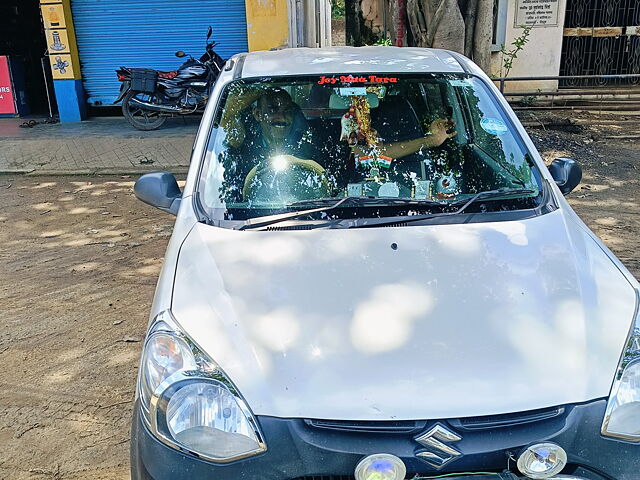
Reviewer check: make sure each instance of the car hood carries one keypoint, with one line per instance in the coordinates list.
(419, 322)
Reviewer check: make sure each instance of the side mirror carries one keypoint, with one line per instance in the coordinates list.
(209, 33)
(180, 54)
(160, 190)
(567, 173)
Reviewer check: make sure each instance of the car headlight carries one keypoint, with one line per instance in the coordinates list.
(164, 354)
(188, 402)
(622, 417)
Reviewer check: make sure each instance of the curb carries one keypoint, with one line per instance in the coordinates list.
(180, 170)
(16, 171)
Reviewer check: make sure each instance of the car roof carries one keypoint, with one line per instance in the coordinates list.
(346, 60)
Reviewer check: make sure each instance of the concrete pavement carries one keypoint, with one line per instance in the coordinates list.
(107, 145)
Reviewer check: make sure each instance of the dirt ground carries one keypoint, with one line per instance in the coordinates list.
(607, 147)
(79, 259)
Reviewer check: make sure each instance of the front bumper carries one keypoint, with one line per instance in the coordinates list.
(296, 449)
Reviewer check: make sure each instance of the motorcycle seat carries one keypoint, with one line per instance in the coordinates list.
(168, 75)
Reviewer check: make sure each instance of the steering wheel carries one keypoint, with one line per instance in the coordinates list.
(286, 179)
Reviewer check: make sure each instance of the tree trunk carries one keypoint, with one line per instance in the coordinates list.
(483, 35)
(417, 23)
(441, 24)
(436, 24)
(352, 23)
(358, 32)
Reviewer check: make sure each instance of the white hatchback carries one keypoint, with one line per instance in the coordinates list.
(373, 275)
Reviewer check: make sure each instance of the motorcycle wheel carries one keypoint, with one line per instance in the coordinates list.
(139, 118)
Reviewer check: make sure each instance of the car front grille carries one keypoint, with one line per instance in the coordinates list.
(510, 419)
(414, 426)
(369, 427)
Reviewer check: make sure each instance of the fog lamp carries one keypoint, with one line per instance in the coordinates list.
(381, 466)
(542, 460)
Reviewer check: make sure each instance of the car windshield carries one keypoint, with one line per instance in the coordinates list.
(400, 143)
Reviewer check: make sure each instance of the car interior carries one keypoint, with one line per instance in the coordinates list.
(482, 155)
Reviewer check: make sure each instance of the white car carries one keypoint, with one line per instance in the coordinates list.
(373, 275)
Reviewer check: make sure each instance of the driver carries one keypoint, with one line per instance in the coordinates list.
(275, 126)
(278, 122)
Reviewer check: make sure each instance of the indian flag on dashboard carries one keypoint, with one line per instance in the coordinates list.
(381, 160)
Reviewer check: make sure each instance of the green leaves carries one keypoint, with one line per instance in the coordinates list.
(508, 56)
(337, 8)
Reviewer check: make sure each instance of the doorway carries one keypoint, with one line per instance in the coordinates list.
(22, 37)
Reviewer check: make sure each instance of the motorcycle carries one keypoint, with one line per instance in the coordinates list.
(149, 97)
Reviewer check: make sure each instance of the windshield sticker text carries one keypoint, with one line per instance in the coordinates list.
(353, 79)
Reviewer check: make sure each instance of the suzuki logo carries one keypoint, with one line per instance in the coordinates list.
(438, 453)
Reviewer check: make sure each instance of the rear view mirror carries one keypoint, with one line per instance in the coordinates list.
(209, 33)
(567, 173)
(342, 101)
(160, 190)
(180, 54)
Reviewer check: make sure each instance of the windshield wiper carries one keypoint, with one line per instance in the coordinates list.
(486, 195)
(334, 203)
(371, 200)
(491, 194)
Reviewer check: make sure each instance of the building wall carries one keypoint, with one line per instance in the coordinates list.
(267, 24)
(539, 57)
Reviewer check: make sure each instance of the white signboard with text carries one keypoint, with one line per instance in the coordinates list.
(537, 13)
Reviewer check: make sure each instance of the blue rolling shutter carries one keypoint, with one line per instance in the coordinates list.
(147, 33)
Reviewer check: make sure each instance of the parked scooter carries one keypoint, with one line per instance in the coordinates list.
(149, 97)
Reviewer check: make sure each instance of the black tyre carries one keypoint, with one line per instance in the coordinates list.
(139, 118)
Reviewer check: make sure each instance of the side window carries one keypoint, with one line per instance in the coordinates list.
(491, 132)
(487, 125)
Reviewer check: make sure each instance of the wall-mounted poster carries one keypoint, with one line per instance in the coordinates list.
(61, 67)
(57, 41)
(53, 16)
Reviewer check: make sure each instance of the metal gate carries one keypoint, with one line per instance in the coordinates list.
(147, 33)
(601, 37)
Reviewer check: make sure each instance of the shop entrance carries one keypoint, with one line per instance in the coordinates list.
(22, 38)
